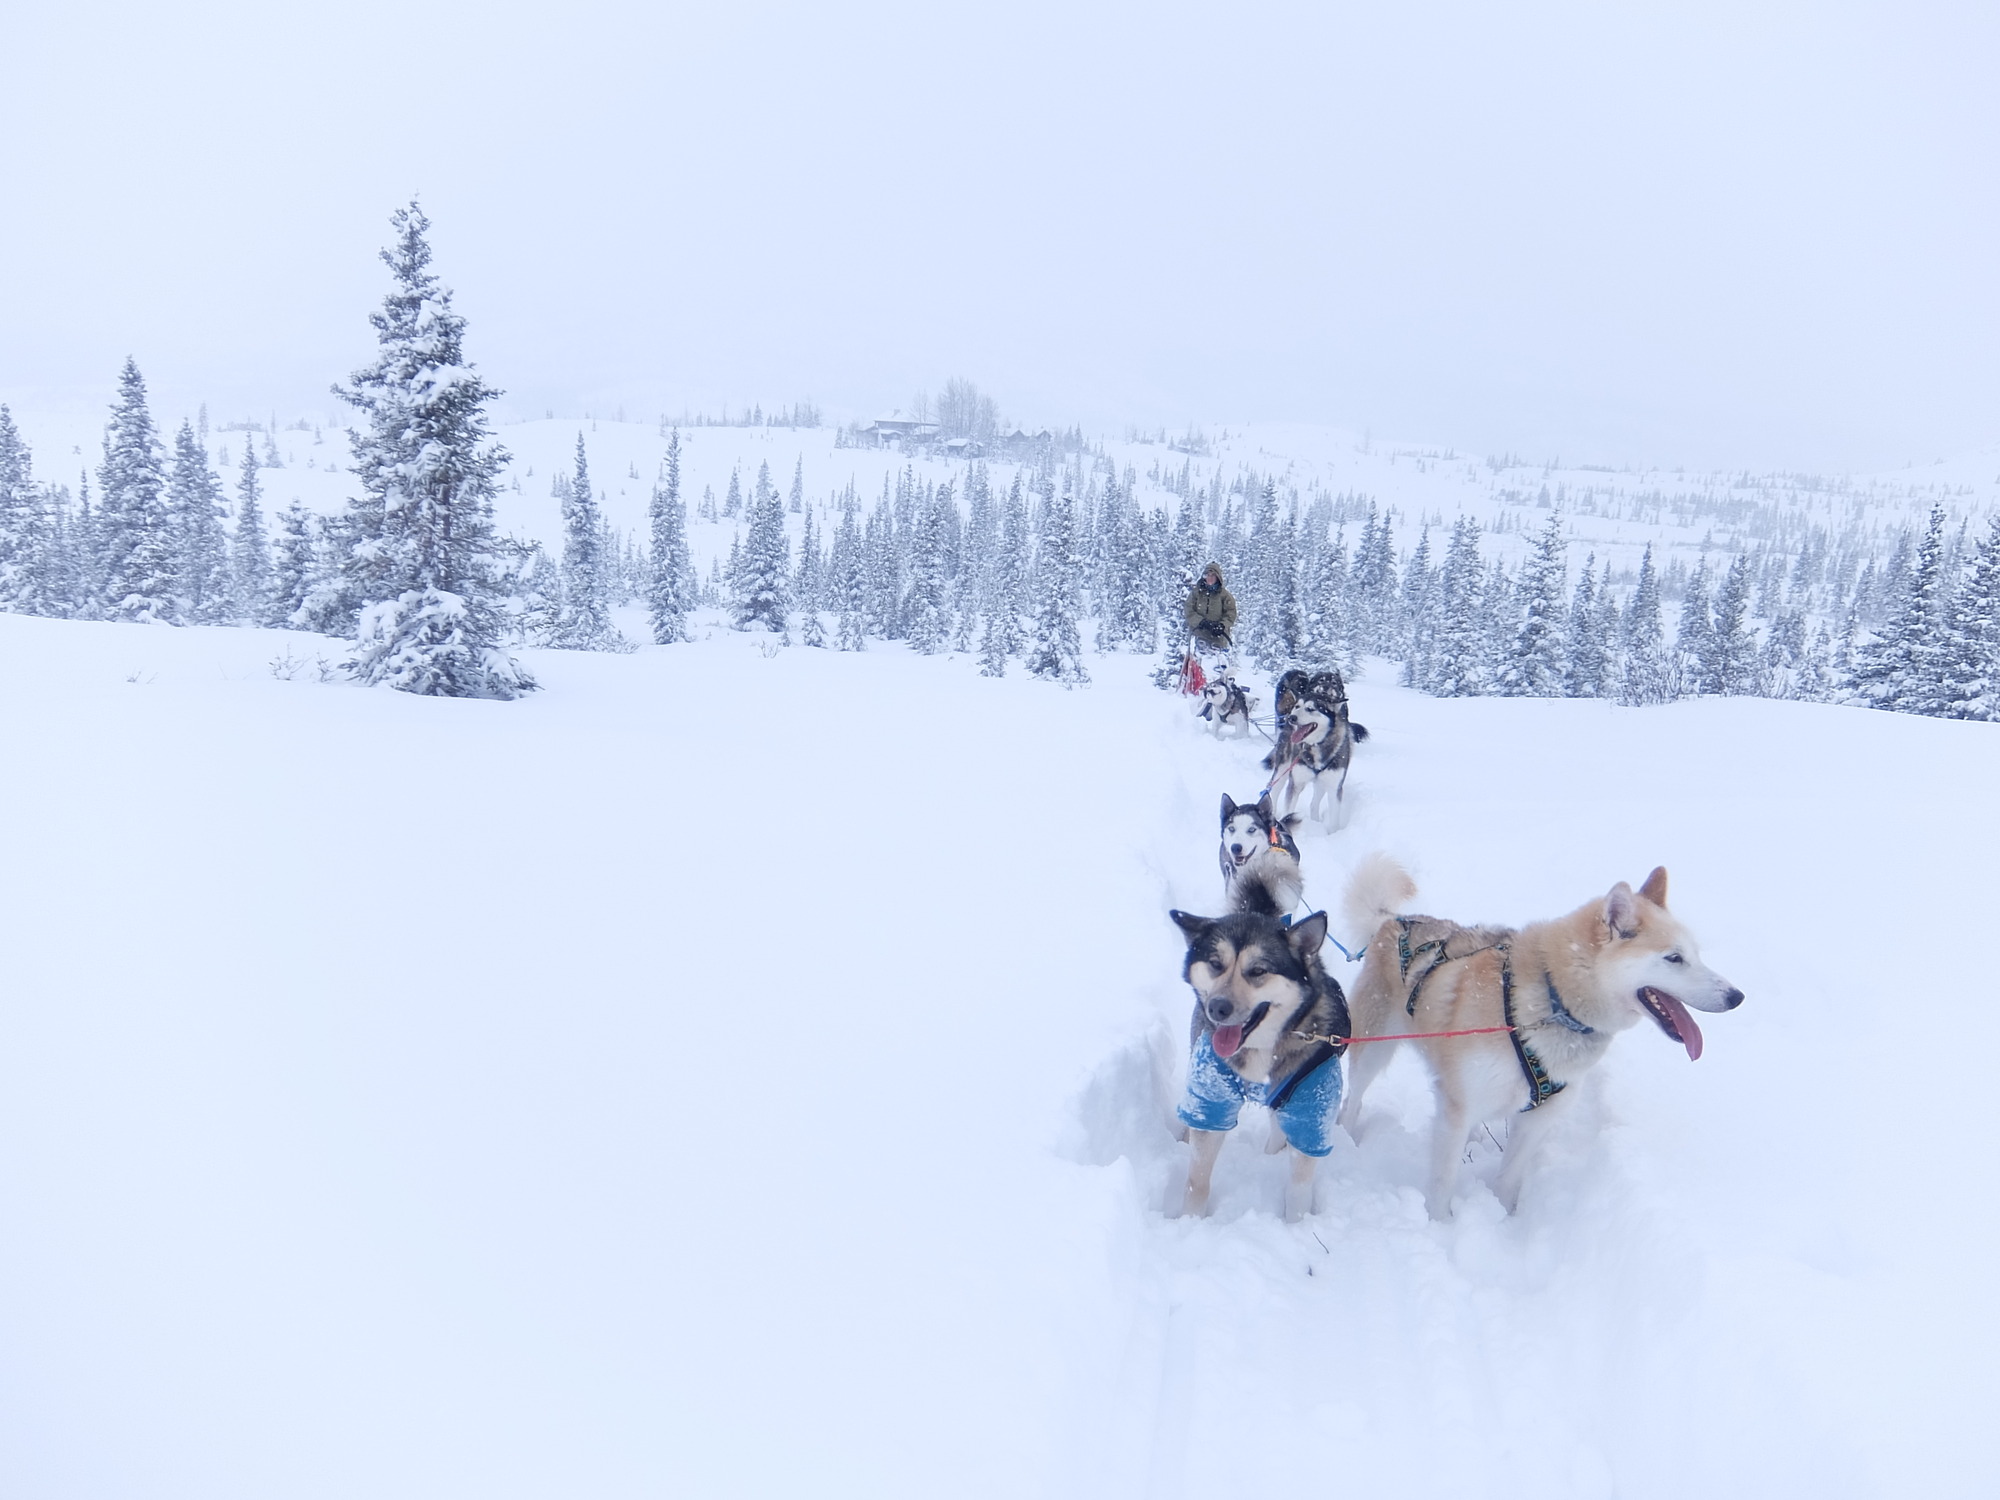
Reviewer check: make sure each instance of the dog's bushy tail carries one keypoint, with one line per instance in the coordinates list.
(1378, 889)
(1359, 731)
(1268, 886)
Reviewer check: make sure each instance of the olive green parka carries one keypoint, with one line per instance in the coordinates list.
(1211, 615)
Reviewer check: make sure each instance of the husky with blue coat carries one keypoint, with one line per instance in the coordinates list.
(1269, 1028)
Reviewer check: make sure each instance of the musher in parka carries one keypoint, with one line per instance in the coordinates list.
(1211, 614)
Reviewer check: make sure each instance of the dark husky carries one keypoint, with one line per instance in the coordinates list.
(1316, 738)
(1269, 1027)
(1260, 858)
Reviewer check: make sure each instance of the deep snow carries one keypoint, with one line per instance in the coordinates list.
(739, 1074)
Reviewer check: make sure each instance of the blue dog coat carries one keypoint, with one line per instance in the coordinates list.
(1216, 1091)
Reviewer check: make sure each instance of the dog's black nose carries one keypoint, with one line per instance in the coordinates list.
(1220, 1010)
(1733, 999)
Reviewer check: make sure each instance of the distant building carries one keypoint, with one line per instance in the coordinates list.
(900, 430)
(1022, 444)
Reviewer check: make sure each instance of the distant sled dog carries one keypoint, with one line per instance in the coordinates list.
(1565, 988)
(1224, 703)
(1269, 1027)
(1315, 742)
(1260, 858)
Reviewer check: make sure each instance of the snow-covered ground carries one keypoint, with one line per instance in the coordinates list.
(735, 1072)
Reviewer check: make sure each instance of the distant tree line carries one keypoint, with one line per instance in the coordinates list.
(414, 575)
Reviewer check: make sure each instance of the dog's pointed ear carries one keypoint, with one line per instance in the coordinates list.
(1189, 923)
(1621, 911)
(1264, 804)
(1655, 888)
(1307, 937)
(1228, 808)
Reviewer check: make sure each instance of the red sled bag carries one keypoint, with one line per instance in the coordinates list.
(1192, 678)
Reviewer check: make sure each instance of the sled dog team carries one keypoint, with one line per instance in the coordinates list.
(1508, 1022)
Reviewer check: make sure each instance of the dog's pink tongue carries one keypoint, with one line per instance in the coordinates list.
(1683, 1023)
(1227, 1039)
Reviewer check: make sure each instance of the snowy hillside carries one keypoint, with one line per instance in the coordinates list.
(1613, 513)
(738, 1071)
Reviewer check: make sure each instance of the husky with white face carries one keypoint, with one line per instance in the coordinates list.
(1544, 1003)
(1225, 705)
(1260, 857)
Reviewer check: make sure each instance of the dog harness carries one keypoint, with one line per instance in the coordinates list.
(1541, 1087)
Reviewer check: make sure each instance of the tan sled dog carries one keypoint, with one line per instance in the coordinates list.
(1544, 1002)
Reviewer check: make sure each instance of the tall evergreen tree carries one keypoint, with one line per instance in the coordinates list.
(421, 562)
(1535, 657)
(194, 497)
(1056, 653)
(1457, 668)
(1969, 676)
(249, 552)
(1649, 675)
(20, 522)
(294, 565)
(1692, 648)
(847, 571)
(1903, 667)
(670, 585)
(1731, 665)
(926, 614)
(135, 527)
(759, 582)
(584, 621)
(1584, 647)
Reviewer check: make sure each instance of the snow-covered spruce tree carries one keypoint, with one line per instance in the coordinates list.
(670, 583)
(1731, 665)
(1535, 657)
(1456, 668)
(1006, 592)
(758, 584)
(135, 527)
(1498, 615)
(1610, 635)
(1902, 668)
(250, 552)
(1139, 619)
(1969, 675)
(292, 567)
(926, 616)
(1584, 649)
(419, 559)
(57, 569)
(195, 498)
(1056, 652)
(21, 542)
(584, 621)
(1691, 645)
(847, 584)
(1419, 605)
(797, 502)
(1379, 623)
(1649, 674)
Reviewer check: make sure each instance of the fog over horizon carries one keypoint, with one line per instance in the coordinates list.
(1708, 235)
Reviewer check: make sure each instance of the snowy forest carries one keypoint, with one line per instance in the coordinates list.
(1068, 554)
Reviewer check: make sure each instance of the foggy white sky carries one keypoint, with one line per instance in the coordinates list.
(1712, 234)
